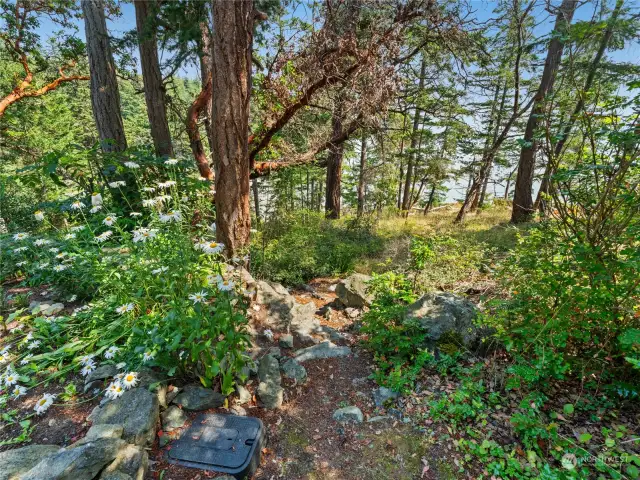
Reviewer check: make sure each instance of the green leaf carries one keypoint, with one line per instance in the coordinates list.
(568, 408)
(585, 437)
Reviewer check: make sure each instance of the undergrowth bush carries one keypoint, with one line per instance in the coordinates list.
(159, 292)
(294, 247)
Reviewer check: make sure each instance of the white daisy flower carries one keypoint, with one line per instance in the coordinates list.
(144, 234)
(72, 298)
(198, 297)
(149, 189)
(149, 203)
(96, 199)
(60, 268)
(171, 216)
(11, 378)
(160, 270)
(109, 220)
(147, 356)
(225, 285)
(70, 236)
(114, 390)
(34, 344)
(78, 205)
(20, 236)
(86, 359)
(130, 380)
(41, 242)
(43, 265)
(20, 249)
(132, 165)
(135, 214)
(61, 256)
(211, 248)
(18, 391)
(103, 237)
(44, 403)
(39, 215)
(171, 161)
(95, 209)
(111, 352)
(21, 264)
(26, 359)
(268, 333)
(87, 369)
(77, 228)
(167, 184)
(4, 358)
(127, 307)
(54, 250)
(160, 199)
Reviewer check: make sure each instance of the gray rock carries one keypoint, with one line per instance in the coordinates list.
(270, 394)
(100, 373)
(131, 461)
(333, 334)
(148, 378)
(382, 394)
(321, 350)
(352, 312)
(379, 418)
(247, 279)
(137, 410)
(52, 309)
(238, 410)
(445, 313)
(284, 312)
(97, 432)
(244, 395)
(275, 352)
(79, 463)
(293, 370)
(348, 414)
(171, 395)
(172, 418)
(195, 397)
(269, 369)
(286, 341)
(20, 460)
(352, 291)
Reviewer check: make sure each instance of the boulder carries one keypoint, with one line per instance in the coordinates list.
(78, 463)
(348, 414)
(97, 432)
(20, 460)
(270, 394)
(136, 410)
(382, 394)
(320, 351)
(195, 397)
(269, 369)
(131, 461)
(440, 314)
(286, 341)
(293, 370)
(173, 418)
(352, 291)
(244, 395)
(101, 373)
(283, 312)
(52, 309)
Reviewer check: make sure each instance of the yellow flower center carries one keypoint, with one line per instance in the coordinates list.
(213, 245)
(129, 378)
(42, 402)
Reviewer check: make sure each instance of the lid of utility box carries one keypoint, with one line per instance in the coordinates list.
(224, 443)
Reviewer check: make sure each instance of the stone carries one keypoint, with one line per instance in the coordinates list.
(439, 314)
(171, 394)
(320, 351)
(275, 352)
(352, 291)
(352, 312)
(52, 309)
(382, 394)
(293, 370)
(284, 312)
(137, 410)
(172, 418)
(286, 341)
(79, 463)
(269, 369)
(132, 461)
(195, 397)
(348, 414)
(101, 373)
(379, 418)
(244, 395)
(238, 410)
(333, 334)
(270, 394)
(148, 377)
(97, 432)
(247, 279)
(15, 462)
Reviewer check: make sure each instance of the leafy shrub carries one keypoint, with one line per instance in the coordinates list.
(294, 247)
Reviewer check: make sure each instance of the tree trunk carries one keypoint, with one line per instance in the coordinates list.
(152, 79)
(427, 207)
(334, 169)
(541, 202)
(205, 74)
(256, 199)
(105, 96)
(406, 197)
(522, 200)
(232, 47)
(361, 182)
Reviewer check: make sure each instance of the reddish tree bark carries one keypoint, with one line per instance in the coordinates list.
(193, 131)
(231, 80)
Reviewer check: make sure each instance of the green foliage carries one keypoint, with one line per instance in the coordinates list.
(294, 247)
